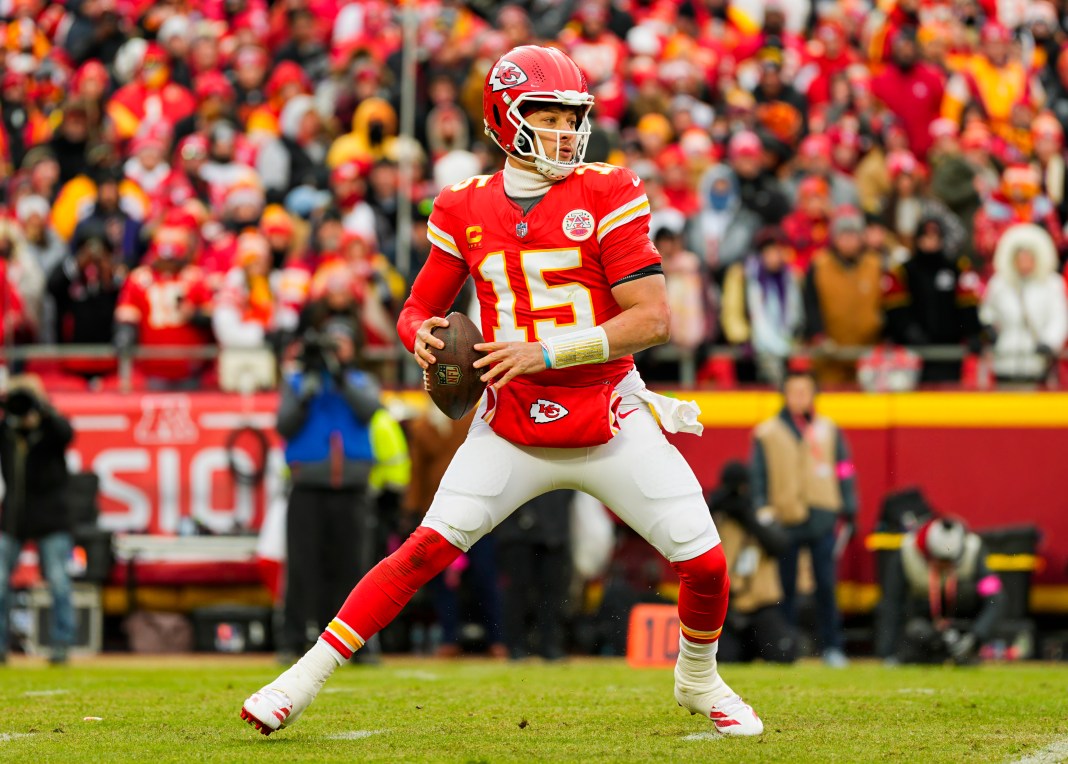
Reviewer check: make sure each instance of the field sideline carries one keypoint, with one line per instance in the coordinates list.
(186, 708)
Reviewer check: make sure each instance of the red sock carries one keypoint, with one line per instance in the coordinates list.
(382, 593)
(703, 593)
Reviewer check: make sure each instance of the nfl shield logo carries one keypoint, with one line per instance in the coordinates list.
(521, 229)
(449, 374)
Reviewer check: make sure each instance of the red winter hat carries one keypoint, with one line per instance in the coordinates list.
(745, 143)
(287, 73)
(816, 146)
(212, 83)
(902, 162)
(992, 31)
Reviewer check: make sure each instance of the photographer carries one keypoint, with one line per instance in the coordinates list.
(940, 601)
(33, 442)
(324, 415)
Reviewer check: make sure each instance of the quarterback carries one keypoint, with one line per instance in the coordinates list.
(569, 286)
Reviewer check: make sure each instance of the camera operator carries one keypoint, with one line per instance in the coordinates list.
(940, 601)
(325, 416)
(33, 443)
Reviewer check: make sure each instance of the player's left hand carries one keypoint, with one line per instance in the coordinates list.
(509, 360)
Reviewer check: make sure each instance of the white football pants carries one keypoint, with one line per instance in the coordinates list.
(638, 475)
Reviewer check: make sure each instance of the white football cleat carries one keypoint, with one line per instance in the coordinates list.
(280, 703)
(730, 714)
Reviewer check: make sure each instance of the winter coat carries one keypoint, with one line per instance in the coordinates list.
(722, 235)
(756, 315)
(1025, 313)
(35, 475)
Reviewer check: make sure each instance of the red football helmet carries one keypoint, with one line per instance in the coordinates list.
(542, 75)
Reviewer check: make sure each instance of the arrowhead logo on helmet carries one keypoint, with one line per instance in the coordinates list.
(506, 75)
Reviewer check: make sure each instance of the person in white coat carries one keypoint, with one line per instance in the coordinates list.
(1025, 306)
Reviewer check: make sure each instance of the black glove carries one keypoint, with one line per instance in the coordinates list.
(1044, 350)
(125, 337)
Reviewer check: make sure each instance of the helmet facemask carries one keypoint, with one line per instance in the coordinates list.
(528, 145)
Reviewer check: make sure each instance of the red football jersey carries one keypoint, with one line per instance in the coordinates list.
(155, 301)
(545, 273)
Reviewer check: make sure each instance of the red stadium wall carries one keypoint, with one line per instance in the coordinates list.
(991, 458)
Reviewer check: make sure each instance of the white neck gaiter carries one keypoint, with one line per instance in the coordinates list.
(520, 183)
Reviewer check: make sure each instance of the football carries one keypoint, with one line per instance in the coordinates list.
(453, 382)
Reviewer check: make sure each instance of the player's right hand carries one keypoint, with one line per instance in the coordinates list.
(424, 340)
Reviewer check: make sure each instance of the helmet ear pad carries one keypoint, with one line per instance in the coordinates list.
(524, 139)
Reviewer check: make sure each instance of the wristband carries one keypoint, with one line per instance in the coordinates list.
(545, 355)
(576, 348)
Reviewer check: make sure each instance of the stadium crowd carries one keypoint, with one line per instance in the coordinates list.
(189, 173)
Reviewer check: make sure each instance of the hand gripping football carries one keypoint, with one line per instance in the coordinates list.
(453, 382)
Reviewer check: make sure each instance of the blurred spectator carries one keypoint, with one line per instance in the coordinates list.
(123, 232)
(96, 32)
(842, 296)
(763, 201)
(533, 554)
(70, 143)
(25, 277)
(33, 444)
(295, 158)
(1024, 306)
(215, 102)
(995, 81)
(932, 300)
(781, 110)
(808, 228)
(752, 543)
(85, 288)
(940, 601)
(801, 475)
(1018, 199)
(815, 159)
(719, 225)
(911, 89)
(904, 206)
(247, 309)
(762, 305)
(42, 243)
(1047, 136)
(166, 302)
(687, 288)
(151, 96)
(953, 178)
(304, 45)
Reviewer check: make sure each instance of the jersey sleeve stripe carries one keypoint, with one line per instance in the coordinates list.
(635, 208)
(436, 236)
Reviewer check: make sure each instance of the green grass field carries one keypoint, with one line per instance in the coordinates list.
(186, 709)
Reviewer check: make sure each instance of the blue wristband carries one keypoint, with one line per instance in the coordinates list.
(545, 355)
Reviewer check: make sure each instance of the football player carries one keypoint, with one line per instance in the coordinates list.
(570, 285)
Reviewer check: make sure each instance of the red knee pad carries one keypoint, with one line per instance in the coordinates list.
(706, 573)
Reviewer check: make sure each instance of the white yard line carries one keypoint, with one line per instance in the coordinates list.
(704, 736)
(44, 693)
(1054, 753)
(6, 736)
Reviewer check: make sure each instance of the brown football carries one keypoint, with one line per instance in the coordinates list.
(453, 382)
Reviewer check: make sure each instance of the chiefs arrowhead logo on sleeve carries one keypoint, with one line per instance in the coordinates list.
(506, 75)
(543, 411)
